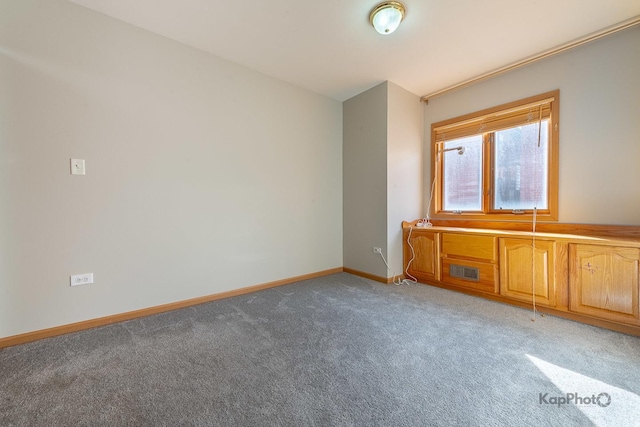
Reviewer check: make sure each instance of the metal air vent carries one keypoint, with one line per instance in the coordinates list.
(464, 272)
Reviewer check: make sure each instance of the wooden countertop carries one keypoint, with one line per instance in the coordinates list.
(609, 234)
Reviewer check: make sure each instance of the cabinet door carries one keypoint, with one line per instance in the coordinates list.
(603, 282)
(517, 270)
(425, 265)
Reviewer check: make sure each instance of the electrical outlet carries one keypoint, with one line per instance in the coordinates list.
(81, 279)
(377, 250)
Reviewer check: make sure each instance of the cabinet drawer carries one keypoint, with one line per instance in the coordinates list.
(480, 276)
(469, 246)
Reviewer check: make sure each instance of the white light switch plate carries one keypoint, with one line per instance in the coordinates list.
(77, 167)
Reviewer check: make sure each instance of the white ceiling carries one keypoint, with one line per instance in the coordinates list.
(329, 47)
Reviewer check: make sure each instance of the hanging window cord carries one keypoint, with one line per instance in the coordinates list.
(533, 228)
(396, 280)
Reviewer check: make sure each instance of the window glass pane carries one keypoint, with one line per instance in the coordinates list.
(462, 177)
(521, 167)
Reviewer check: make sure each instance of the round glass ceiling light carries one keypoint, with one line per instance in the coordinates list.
(386, 17)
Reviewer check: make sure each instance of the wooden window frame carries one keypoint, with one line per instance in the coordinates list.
(485, 123)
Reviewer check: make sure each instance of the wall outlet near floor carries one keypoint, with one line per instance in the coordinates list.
(377, 250)
(81, 279)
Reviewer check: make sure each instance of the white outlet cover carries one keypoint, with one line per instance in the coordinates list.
(81, 279)
(77, 167)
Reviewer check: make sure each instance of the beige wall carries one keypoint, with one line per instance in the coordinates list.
(599, 124)
(404, 167)
(202, 176)
(365, 180)
(383, 140)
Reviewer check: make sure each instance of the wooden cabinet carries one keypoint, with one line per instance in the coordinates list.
(585, 277)
(518, 265)
(425, 259)
(603, 281)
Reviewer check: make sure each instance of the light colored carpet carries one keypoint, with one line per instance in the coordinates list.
(338, 350)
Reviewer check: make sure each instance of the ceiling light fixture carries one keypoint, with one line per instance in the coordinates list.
(386, 16)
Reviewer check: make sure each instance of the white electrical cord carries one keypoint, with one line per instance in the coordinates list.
(413, 256)
(427, 223)
(396, 280)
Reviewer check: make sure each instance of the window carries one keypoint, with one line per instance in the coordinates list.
(499, 163)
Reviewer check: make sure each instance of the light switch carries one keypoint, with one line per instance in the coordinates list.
(77, 167)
